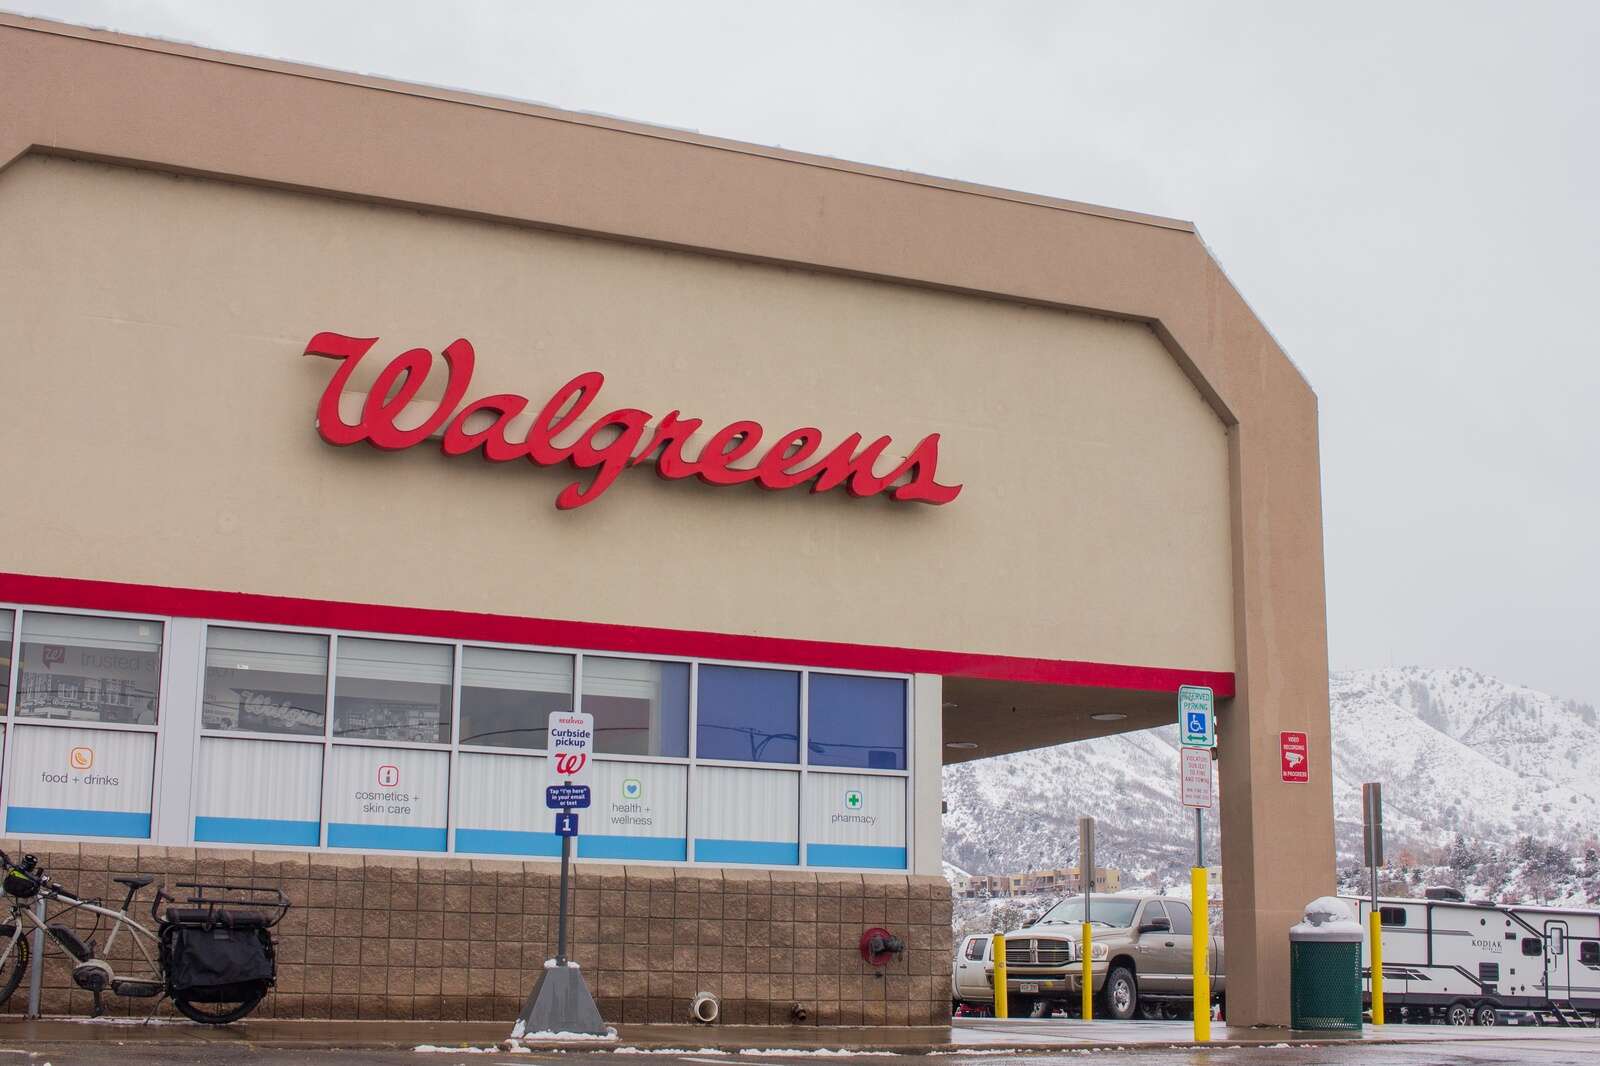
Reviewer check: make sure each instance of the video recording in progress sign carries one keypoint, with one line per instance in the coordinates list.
(1296, 755)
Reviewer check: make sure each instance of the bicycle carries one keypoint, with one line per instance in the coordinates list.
(215, 961)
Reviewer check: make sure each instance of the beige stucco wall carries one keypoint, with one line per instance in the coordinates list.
(160, 429)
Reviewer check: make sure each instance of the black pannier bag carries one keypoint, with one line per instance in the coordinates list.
(217, 956)
(19, 884)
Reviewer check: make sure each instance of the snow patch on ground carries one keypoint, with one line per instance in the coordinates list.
(816, 1052)
(666, 1051)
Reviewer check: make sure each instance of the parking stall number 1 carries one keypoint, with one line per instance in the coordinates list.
(566, 825)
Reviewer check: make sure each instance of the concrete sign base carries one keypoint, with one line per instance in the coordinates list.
(560, 1003)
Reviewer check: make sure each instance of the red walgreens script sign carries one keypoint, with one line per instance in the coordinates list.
(611, 444)
(1296, 757)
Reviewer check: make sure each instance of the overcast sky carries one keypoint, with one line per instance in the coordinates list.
(1407, 193)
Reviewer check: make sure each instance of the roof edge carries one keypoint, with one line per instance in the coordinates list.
(554, 114)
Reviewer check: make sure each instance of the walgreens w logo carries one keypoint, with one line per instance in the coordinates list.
(570, 765)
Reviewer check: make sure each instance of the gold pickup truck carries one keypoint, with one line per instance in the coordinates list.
(1141, 951)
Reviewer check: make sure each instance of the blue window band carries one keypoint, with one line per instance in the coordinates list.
(61, 821)
(593, 846)
(386, 837)
(763, 852)
(256, 831)
(862, 856)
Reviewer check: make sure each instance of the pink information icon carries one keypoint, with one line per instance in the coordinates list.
(388, 776)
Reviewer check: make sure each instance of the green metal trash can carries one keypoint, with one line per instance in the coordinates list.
(1325, 968)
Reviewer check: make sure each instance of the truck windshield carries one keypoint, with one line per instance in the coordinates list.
(1115, 913)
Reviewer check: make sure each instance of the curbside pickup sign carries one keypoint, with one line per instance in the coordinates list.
(571, 740)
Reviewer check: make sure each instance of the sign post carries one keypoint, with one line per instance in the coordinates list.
(1372, 845)
(1197, 725)
(561, 1001)
(1194, 790)
(1085, 937)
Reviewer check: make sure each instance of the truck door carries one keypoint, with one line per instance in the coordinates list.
(1557, 962)
(1159, 965)
(1183, 946)
(972, 982)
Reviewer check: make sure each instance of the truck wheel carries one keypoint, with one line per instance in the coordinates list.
(1459, 1013)
(1486, 1014)
(1119, 998)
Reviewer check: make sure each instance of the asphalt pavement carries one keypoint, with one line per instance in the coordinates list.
(1553, 1050)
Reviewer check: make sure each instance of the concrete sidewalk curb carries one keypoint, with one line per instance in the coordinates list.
(62, 1033)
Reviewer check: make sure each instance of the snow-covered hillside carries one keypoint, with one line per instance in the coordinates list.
(1457, 752)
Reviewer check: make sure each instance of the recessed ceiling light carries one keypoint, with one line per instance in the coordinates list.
(962, 745)
(1108, 716)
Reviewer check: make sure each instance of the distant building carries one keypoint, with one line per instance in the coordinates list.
(1060, 882)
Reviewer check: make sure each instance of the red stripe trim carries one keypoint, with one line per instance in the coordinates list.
(597, 636)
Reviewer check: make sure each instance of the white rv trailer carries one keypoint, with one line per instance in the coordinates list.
(1449, 959)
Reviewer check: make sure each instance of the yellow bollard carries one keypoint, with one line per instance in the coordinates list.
(1087, 940)
(1000, 976)
(1200, 936)
(1377, 966)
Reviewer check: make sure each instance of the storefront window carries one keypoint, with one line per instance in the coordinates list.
(749, 715)
(260, 681)
(85, 668)
(857, 721)
(7, 623)
(507, 696)
(640, 707)
(393, 690)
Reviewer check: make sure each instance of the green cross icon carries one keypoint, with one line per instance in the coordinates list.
(852, 800)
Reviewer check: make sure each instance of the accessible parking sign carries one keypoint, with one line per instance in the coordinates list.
(1197, 716)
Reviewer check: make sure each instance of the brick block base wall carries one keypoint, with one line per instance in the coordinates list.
(389, 937)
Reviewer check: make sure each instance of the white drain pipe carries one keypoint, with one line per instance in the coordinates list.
(704, 1007)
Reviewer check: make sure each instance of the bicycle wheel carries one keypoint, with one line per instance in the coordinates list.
(16, 963)
(236, 1005)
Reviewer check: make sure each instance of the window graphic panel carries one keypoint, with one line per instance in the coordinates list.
(857, 721)
(261, 681)
(85, 668)
(639, 812)
(393, 690)
(507, 696)
(749, 715)
(640, 707)
(389, 798)
(81, 782)
(856, 821)
(258, 792)
(746, 815)
(500, 806)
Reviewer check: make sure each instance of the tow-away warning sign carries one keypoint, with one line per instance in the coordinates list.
(1296, 757)
(1194, 777)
